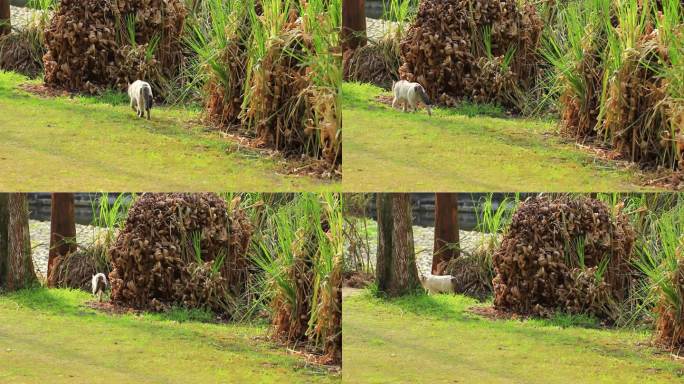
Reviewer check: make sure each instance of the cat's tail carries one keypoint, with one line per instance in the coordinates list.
(424, 98)
(99, 282)
(423, 95)
(146, 95)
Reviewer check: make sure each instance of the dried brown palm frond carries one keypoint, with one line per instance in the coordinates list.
(565, 254)
(181, 249)
(446, 45)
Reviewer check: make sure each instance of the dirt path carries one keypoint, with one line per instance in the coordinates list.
(347, 292)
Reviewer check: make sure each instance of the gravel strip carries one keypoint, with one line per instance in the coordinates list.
(423, 240)
(40, 242)
(22, 16)
(376, 28)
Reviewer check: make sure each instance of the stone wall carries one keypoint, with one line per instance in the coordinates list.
(375, 8)
(424, 208)
(40, 206)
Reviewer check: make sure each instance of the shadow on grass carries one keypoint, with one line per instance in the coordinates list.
(437, 307)
(583, 332)
(456, 307)
(112, 107)
(71, 303)
(359, 95)
(55, 302)
(362, 96)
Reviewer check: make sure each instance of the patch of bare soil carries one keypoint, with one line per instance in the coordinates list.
(665, 178)
(313, 359)
(43, 91)
(384, 99)
(492, 313)
(112, 309)
(289, 165)
(305, 352)
(660, 178)
(348, 292)
(356, 279)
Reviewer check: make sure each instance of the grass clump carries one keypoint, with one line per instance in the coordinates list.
(662, 290)
(617, 70)
(493, 59)
(272, 69)
(302, 262)
(116, 45)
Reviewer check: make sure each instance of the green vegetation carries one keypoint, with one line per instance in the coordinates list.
(86, 143)
(52, 336)
(459, 150)
(435, 339)
(265, 73)
(300, 253)
(603, 55)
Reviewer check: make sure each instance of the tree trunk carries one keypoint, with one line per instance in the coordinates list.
(446, 245)
(62, 232)
(397, 273)
(383, 265)
(353, 24)
(5, 18)
(4, 238)
(20, 266)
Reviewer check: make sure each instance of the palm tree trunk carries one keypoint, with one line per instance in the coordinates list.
(353, 24)
(4, 238)
(5, 18)
(62, 232)
(446, 245)
(20, 272)
(383, 265)
(397, 273)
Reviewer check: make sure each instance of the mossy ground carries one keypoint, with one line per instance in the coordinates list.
(98, 143)
(436, 340)
(471, 148)
(51, 336)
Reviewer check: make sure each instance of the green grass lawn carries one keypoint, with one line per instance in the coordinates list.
(50, 336)
(434, 339)
(471, 148)
(88, 143)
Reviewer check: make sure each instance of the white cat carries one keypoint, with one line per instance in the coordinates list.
(410, 94)
(140, 93)
(438, 284)
(99, 284)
